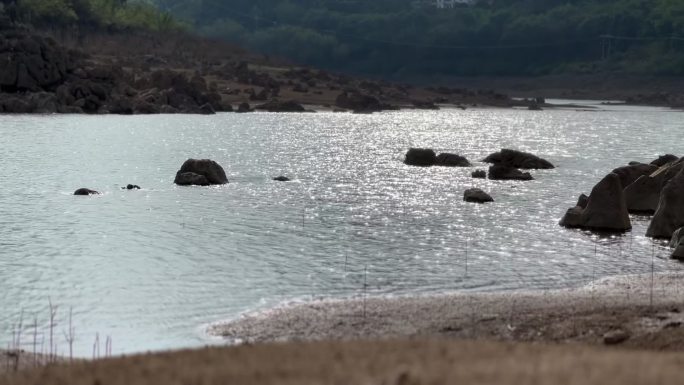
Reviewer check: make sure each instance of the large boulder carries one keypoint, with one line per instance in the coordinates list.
(677, 243)
(606, 208)
(518, 159)
(669, 215)
(451, 160)
(423, 157)
(664, 159)
(201, 172)
(629, 174)
(86, 191)
(477, 196)
(503, 172)
(643, 195)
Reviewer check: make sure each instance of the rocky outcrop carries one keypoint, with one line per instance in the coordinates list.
(32, 63)
(451, 160)
(664, 159)
(86, 191)
(677, 243)
(477, 196)
(518, 159)
(423, 157)
(669, 215)
(605, 210)
(504, 172)
(629, 174)
(480, 174)
(643, 195)
(281, 106)
(200, 172)
(244, 107)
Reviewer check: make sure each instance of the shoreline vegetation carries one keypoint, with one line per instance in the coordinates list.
(619, 323)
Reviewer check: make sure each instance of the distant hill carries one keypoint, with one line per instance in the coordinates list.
(397, 39)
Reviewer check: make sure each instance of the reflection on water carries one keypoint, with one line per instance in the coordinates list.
(150, 267)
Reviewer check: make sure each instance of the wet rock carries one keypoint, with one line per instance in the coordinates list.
(677, 243)
(477, 196)
(504, 172)
(582, 201)
(200, 172)
(518, 159)
(606, 209)
(615, 337)
(131, 187)
(451, 160)
(423, 157)
(643, 195)
(480, 174)
(281, 179)
(284, 106)
(664, 159)
(629, 174)
(669, 215)
(85, 191)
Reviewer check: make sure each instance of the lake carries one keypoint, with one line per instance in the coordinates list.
(152, 268)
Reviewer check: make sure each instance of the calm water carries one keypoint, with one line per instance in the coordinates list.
(151, 267)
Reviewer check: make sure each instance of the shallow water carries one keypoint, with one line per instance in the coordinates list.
(150, 267)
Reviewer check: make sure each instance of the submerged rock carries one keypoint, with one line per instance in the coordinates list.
(669, 215)
(518, 159)
(503, 172)
(605, 210)
(281, 179)
(423, 157)
(86, 191)
(480, 174)
(131, 187)
(201, 172)
(477, 196)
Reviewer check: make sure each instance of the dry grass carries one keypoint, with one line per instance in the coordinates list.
(367, 362)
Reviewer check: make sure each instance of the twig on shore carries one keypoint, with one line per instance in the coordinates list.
(70, 336)
(53, 313)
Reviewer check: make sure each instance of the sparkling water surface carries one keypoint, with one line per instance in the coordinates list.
(150, 268)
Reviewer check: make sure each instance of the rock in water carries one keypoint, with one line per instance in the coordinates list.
(451, 160)
(201, 172)
(643, 195)
(284, 106)
(518, 159)
(131, 187)
(423, 157)
(281, 179)
(669, 215)
(629, 174)
(677, 242)
(664, 159)
(86, 191)
(480, 174)
(606, 208)
(503, 172)
(476, 195)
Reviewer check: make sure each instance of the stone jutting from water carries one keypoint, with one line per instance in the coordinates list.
(200, 172)
(477, 196)
(504, 172)
(677, 243)
(670, 213)
(629, 174)
(664, 159)
(451, 160)
(643, 195)
(86, 191)
(518, 159)
(606, 208)
(423, 157)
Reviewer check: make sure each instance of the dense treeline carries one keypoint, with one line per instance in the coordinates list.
(497, 37)
(90, 14)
